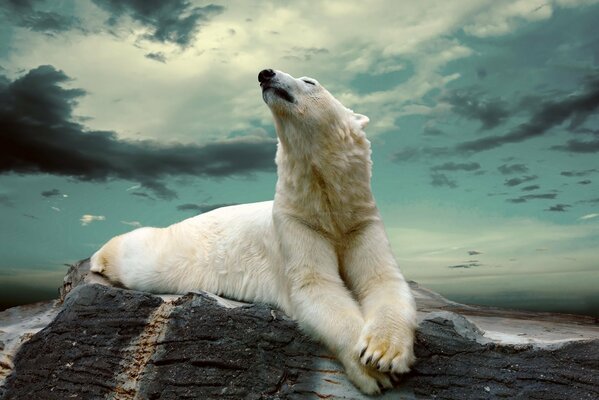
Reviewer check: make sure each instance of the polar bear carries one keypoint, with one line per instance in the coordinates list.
(318, 251)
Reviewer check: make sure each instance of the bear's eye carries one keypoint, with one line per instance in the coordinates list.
(309, 82)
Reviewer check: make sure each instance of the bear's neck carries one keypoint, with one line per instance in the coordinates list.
(324, 179)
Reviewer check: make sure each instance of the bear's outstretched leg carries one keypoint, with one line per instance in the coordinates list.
(321, 303)
(371, 272)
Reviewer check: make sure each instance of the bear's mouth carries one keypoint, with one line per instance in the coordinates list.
(279, 92)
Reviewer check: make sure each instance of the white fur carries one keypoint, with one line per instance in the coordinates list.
(319, 251)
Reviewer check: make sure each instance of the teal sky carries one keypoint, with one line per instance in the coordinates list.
(484, 129)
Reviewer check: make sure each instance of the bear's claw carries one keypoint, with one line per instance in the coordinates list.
(386, 350)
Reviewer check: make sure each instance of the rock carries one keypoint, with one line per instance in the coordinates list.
(107, 342)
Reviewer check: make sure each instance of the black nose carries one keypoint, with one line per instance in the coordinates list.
(265, 75)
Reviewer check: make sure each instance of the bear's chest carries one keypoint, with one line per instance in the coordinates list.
(331, 204)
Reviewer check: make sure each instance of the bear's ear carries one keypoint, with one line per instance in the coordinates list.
(362, 120)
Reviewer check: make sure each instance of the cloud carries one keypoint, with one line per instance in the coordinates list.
(175, 21)
(87, 219)
(38, 135)
(415, 153)
(439, 180)
(304, 53)
(559, 207)
(588, 216)
(504, 17)
(473, 252)
(466, 265)
(516, 181)
(470, 104)
(202, 208)
(531, 187)
(451, 166)
(525, 198)
(576, 107)
(51, 193)
(506, 169)
(579, 146)
(578, 173)
(135, 224)
(585, 182)
(157, 56)
(142, 194)
(25, 15)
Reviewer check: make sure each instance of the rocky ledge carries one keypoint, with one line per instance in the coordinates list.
(102, 342)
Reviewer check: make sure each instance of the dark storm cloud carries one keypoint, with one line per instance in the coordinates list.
(24, 13)
(470, 104)
(202, 208)
(473, 252)
(158, 56)
(559, 208)
(451, 166)
(516, 181)
(174, 21)
(530, 188)
(550, 113)
(585, 172)
(439, 180)
(38, 135)
(506, 169)
(51, 193)
(525, 198)
(585, 182)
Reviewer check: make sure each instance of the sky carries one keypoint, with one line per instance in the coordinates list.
(484, 127)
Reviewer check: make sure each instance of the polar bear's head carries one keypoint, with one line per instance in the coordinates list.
(303, 106)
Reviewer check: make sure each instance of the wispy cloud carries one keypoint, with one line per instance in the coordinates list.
(202, 208)
(559, 208)
(87, 219)
(579, 146)
(517, 181)
(51, 193)
(589, 216)
(26, 15)
(579, 173)
(439, 180)
(472, 104)
(135, 224)
(507, 169)
(452, 166)
(576, 107)
(525, 198)
(157, 56)
(175, 21)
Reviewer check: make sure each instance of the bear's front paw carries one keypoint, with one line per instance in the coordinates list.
(368, 381)
(387, 345)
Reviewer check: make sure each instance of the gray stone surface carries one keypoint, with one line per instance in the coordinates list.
(112, 343)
